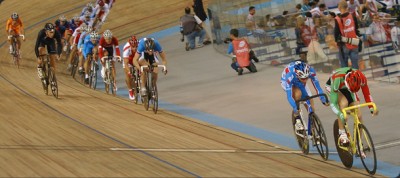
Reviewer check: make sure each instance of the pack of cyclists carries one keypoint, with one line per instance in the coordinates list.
(342, 86)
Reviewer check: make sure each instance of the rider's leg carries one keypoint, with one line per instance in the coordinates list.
(86, 66)
(53, 58)
(42, 51)
(81, 61)
(155, 76)
(72, 55)
(10, 41)
(143, 76)
(19, 42)
(127, 74)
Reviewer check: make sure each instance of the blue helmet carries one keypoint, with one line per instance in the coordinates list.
(302, 69)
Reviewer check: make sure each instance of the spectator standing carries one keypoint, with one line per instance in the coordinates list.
(198, 9)
(346, 34)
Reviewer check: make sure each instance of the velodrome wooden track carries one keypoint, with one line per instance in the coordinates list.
(87, 133)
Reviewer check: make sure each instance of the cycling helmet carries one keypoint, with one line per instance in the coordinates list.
(107, 34)
(49, 27)
(76, 18)
(94, 36)
(83, 27)
(133, 42)
(354, 80)
(149, 44)
(302, 69)
(63, 18)
(89, 29)
(14, 16)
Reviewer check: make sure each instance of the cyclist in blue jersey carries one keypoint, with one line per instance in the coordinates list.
(90, 47)
(83, 40)
(147, 50)
(294, 81)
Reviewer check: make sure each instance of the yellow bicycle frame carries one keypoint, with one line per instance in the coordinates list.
(353, 110)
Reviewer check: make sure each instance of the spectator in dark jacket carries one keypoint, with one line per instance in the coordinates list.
(198, 9)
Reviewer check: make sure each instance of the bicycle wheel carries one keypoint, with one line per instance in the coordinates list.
(45, 81)
(112, 83)
(301, 137)
(93, 75)
(107, 82)
(15, 53)
(146, 99)
(366, 145)
(53, 82)
(75, 64)
(319, 136)
(136, 86)
(155, 98)
(345, 156)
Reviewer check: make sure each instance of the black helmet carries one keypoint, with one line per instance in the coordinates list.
(49, 27)
(149, 44)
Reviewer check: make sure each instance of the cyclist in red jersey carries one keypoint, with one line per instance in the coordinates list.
(128, 54)
(106, 48)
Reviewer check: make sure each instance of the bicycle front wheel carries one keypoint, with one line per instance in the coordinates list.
(345, 156)
(155, 99)
(112, 83)
(366, 149)
(301, 137)
(93, 76)
(319, 136)
(53, 82)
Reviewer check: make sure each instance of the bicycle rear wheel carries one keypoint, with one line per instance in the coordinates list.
(155, 99)
(301, 137)
(345, 156)
(319, 136)
(366, 145)
(53, 82)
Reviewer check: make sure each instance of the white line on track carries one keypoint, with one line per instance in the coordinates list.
(390, 144)
(212, 151)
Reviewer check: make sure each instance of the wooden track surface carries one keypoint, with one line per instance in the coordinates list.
(87, 133)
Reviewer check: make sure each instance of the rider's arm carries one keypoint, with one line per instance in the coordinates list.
(157, 47)
(366, 93)
(317, 86)
(21, 27)
(115, 41)
(41, 35)
(8, 26)
(334, 95)
(57, 36)
(80, 41)
(288, 85)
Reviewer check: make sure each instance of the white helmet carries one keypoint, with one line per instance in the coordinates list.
(107, 34)
(14, 16)
(94, 35)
